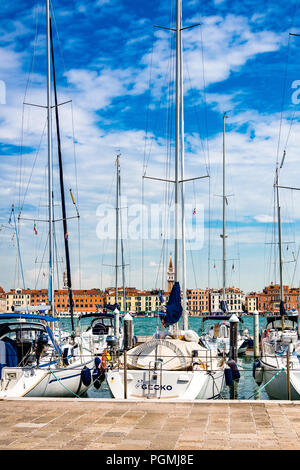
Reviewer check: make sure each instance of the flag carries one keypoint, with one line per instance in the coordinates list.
(161, 299)
(66, 236)
(214, 265)
(34, 229)
(194, 212)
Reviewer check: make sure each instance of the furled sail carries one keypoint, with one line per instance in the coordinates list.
(224, 306)
(174, 307)
(282, 309)
(112, 307)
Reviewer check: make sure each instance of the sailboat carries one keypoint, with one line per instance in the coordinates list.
(33, 362)
(279, 366)
(217, 338)
(174, 365)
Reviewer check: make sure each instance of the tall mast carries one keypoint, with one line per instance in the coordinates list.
(184, 303)
(117, 244)
(224, 236)
(279, 241)
(177, 133)
(50, 181)
(62, 190)
(122, 249)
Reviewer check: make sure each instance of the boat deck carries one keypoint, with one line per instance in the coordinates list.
(37, 423)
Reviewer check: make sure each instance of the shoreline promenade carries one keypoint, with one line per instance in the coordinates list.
(106, 424)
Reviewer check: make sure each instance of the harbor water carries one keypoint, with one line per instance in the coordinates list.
(245, 389)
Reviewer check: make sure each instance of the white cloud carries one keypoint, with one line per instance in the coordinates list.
(264, 219)
(228, 44)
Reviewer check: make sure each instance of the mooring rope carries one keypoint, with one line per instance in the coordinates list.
(263, 386)
(66, 388)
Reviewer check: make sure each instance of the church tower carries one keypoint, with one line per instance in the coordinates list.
(171, 275)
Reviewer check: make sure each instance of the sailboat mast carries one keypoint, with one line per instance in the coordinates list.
(50, 174)
(184, 302)
(224, 236)
(62, 190)
(122, 250)
(117, 245)
(279, 242)
(177, 135)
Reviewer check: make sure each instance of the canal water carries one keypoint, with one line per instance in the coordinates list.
(245, 389)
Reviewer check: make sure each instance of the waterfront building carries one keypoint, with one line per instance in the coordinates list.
(17, 298)
(137, 301)
(269, 299)
(235, 299)
(84, 300)
(251, 302)
(198, 301)
(2, 300)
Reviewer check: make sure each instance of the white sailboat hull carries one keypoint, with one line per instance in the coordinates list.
(277, 389)
(168, 384)
(19, 382)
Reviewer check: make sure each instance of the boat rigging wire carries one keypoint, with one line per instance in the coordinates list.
(284, 84)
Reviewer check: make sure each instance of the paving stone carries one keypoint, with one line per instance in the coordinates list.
(243, 444)
(76, 424)
(213, 445)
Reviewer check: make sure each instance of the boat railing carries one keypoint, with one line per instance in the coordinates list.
(206, 360)
(279, 359)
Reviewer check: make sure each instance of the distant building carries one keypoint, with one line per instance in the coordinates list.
(137, 301)
(235, 299)
(251, 302)
(198, 301)
(17, 298)
(84, 300)
(269, 298)
(2, 300)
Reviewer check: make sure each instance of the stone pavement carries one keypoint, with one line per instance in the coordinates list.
(94, 424)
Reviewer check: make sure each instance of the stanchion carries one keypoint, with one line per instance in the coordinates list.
(288, 372)
(256, 334)
(125, 374)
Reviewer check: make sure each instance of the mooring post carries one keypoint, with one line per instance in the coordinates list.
(233, 352)
(128, 340)
(256, 334)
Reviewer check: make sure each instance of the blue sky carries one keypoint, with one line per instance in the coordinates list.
(116, 69)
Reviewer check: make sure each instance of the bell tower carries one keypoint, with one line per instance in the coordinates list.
(171, 275)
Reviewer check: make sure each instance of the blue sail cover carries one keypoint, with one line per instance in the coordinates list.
(28, 316)
(224, 306)
(112, 307)
(174, 308)
(282, 309)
